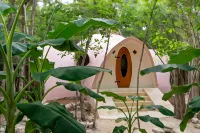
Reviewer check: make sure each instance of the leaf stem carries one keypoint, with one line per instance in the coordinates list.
(19, 96)
(49, 90)
(4, 27)
(20, 64)
(7, 99)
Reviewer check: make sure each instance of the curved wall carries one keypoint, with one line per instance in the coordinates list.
(131, 43)
(109, 80)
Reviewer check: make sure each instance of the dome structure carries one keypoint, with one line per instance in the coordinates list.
(123, 59)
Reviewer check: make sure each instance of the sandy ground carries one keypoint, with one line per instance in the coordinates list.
(106, 126)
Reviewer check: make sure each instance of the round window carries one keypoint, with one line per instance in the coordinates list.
(124, 65)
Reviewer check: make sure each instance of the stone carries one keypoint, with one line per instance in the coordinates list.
(89, 117)
(90, 125)
(2, 130)
(197, 126)
(158, 130)
(195, 120)
(70, 106)
(19, 129)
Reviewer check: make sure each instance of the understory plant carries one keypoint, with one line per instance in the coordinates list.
(131, 116)
(51, 117)
(180, 61)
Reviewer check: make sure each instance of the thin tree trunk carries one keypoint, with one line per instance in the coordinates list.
(100, 81)
(179, 99)
(82, 64)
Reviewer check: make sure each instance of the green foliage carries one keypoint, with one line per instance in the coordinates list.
(50, 115)
(136, 98)
(193, 108)
(167, 68)
(115, 96)
(153, 120)
(73, 73)
(185, 56)
(178, 90)
(67, 30)
(5, 9)
(160, 108)
(119, 129)
(82, 89)
(143, 131)
(129, 117)
(47, 65)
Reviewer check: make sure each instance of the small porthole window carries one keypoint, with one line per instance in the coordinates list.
(124, 65)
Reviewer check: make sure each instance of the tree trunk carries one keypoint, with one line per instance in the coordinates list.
(81, 96)
(179, 77)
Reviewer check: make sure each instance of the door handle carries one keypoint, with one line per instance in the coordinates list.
(117, 81)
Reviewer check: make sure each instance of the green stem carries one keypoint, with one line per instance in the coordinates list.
(45, 58)
(126, 107)
(49, 90)
(20, 64)
(16, 117)
(3, 110)
(7, 99)
(4, 27)
(19, 96)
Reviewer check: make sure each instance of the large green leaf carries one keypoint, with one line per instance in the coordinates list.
(82, 89)
(142, 130)
(184, 56)
(194, 104)
(161, 109)
(6, 8)
(167, 68)
(189, 115)
(47, 65)
(67, 30)
(53, 116)
(31, 127)
(178, 90)
(60, 44)
(121, 119)
(20, 49)
(194, 107)
(136, 98)
(108, 107)
(115, 96)
(119, 129)
(2, 75)
(153, 120)
(17, 37)
(73, 73)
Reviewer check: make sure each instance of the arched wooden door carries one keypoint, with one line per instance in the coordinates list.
(123, 68)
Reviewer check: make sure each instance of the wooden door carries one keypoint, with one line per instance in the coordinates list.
(123, 68)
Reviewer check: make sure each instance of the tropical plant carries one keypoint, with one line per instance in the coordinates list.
(130, 116)
(178, 61)
(55, 114)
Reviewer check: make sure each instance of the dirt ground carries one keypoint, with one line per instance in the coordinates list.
(106, 126)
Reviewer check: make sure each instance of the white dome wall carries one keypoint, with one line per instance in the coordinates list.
(59, 92)
(147, 81)
(109, 80)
